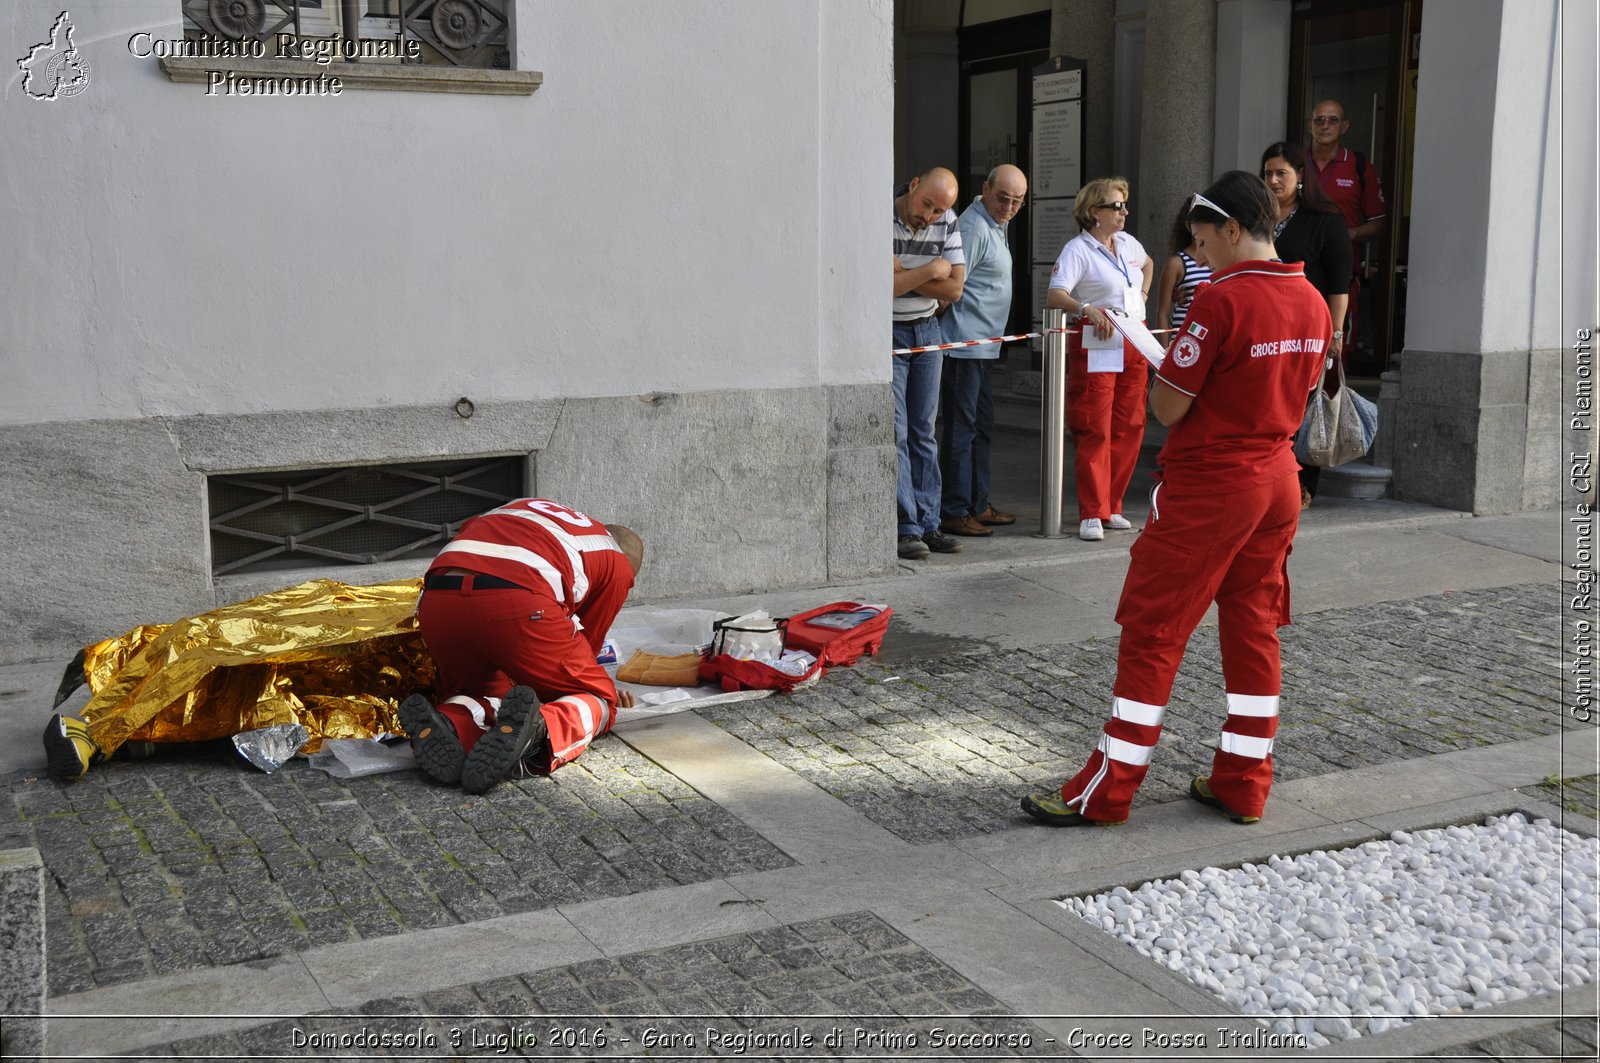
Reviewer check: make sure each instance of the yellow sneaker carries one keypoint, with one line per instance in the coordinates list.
(1200, 790)
(68, 749)
(1051, 809)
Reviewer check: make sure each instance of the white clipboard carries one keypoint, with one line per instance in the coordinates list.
(1141, 338)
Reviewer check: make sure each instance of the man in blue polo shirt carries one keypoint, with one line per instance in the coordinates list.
(968, 379)
(928, 269)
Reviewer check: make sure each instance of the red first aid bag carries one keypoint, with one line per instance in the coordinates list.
(730, 673)
(839, 633)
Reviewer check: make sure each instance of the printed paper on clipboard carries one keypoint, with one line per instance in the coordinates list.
(1137, 334)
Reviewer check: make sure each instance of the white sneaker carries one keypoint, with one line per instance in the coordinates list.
(1091, 530)
(1118, 522)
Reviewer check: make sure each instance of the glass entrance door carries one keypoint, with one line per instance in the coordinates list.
(995, 131)
(1359, 53)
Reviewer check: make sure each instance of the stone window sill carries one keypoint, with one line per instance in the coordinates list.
(394, 77)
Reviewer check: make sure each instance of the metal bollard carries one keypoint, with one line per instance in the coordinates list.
(1053, 425)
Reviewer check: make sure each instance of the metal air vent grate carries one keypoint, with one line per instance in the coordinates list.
(359, 515)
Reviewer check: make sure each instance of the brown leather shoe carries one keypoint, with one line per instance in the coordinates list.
(993, 516)
(965, 524)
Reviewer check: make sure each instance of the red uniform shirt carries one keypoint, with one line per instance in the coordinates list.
(1358, 195)
(1250, 352)
(545, 546)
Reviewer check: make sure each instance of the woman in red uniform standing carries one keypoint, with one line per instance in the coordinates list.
(1103, 269)
(1232, 390)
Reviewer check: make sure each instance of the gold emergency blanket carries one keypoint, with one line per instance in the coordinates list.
(324, 654)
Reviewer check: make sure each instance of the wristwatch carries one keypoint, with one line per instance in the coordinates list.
(1338, 334)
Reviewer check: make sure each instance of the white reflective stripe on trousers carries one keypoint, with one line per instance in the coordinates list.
(1125, 752)
(475, 707)
(1138, 712)
(1260, 705)
(583, 703)
(1245, 745)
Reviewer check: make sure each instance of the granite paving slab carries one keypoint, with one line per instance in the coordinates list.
(846, 986)
(1574, 1038)
(1578, 796)
(940, 749)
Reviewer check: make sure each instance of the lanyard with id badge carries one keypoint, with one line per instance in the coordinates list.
(1105, 355)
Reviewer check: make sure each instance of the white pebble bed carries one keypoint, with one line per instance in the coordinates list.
(1334, 945)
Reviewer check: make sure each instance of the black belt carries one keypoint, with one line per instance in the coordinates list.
(442, 582)
(918, 320)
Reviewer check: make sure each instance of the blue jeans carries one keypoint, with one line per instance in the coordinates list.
(968, 388)
(916, 404)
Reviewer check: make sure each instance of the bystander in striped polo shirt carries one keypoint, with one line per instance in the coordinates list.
(913, 249)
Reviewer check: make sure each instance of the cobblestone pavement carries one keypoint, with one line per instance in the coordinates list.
(160, 866)
(1570, 1039)
(941, 749)
(782, 984)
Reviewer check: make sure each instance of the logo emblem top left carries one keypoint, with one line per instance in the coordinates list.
(55, 69)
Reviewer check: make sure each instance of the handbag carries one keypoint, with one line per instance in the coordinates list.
(1369, 417)
(1334, 431)
(751, 652)
(753, 636)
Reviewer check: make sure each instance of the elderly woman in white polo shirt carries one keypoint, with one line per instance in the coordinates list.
(1103, 269)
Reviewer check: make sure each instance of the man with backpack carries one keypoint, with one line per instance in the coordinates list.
(1351, 182)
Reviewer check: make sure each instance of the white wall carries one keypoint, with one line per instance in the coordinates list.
(1578, 37)
(666, 213)
(854, 178)
(1486, 237)
(1523, 298)
(1449, 270)
(1484, 379)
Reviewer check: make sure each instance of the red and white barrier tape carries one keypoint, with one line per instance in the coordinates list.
(1002, 339)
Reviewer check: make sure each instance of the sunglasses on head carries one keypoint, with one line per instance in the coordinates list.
(1197, 200)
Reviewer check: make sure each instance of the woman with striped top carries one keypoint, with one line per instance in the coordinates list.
(1185, 270)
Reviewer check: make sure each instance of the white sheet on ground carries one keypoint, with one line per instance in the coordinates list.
(669, 632)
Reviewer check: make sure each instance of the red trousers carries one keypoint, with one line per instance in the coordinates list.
(1198, 548)
(1105, 413)
(487, 641)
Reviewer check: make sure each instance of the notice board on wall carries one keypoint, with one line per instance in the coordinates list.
(1057, 163)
